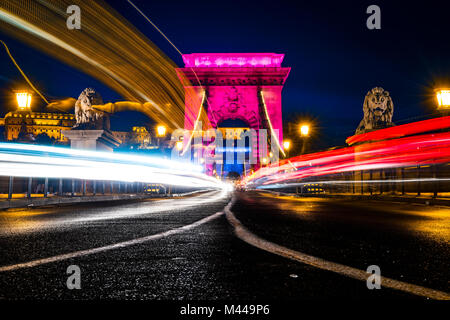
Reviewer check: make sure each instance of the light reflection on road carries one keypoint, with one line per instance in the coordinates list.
(428, 221)
(15, 221)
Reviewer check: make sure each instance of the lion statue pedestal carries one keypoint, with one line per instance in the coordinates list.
(92, 129)
(101, 140)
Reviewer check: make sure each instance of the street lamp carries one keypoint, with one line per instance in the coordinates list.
(286, 146)
(160, 133)
(23, 99)
(304, 130)
(264, 161)
(304, 133)
(443, 98)
(161, 130)
(179, 145)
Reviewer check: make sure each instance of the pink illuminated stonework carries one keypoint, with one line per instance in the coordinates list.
(233, 60)
(233, 83)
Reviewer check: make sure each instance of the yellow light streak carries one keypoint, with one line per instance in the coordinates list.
(270, 125)
(108, 48)
(21, 72)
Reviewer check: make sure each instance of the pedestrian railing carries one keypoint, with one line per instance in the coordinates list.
(421, 180)
(20, 187)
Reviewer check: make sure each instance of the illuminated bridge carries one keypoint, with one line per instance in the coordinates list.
(343, 218)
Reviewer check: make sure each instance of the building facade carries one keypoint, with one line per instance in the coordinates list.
(27, 125)
(139, 137)
(237, 91)
(36, 123)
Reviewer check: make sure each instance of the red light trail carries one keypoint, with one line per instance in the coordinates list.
(424, 149)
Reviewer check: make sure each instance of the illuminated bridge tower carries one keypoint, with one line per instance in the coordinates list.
(242, 90)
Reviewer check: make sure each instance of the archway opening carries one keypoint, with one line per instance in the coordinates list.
(235, 150)
(233, 176)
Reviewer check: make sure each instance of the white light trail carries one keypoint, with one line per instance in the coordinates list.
(23, 160)
(275, 136)
(318, 183)
(42, 34)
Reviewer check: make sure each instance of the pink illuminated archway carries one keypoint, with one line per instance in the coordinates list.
(244, 86)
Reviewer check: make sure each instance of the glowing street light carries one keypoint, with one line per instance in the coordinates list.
(304, 133)
(264, 160)
(161, 130)
(179, 145)
(23, 99)
(443, 97)
(304, 130)
(286, 145)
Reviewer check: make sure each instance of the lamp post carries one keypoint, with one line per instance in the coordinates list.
(264, 161)
(160, 133)
(443, 98)
(23, 98)
(304, 130)
(304, 134)
(161, 130)
(286, 147)
(179, 145)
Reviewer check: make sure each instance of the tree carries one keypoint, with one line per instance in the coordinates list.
(44, 139)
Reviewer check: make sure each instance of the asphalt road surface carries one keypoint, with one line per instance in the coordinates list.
(181, 249)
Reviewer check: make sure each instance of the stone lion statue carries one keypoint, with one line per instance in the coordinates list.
(86, 115)
(378, 110)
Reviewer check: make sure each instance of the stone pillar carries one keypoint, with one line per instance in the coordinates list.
(101, 140)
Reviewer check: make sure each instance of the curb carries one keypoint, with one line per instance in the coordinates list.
(37, 202)
(424, 201)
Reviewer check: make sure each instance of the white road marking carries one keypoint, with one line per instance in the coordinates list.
(118, 245)
(130, 210)
(244, 234)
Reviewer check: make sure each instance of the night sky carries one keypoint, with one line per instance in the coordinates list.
(334, 58)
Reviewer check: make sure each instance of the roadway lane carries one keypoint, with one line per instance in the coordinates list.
(28, 234)
(207, 262)
(409, 242)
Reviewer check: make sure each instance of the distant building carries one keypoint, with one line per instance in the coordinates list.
(25, 125)
(139, 137)
(35, 123)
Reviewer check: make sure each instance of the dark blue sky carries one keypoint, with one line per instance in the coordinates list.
(334, 58)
